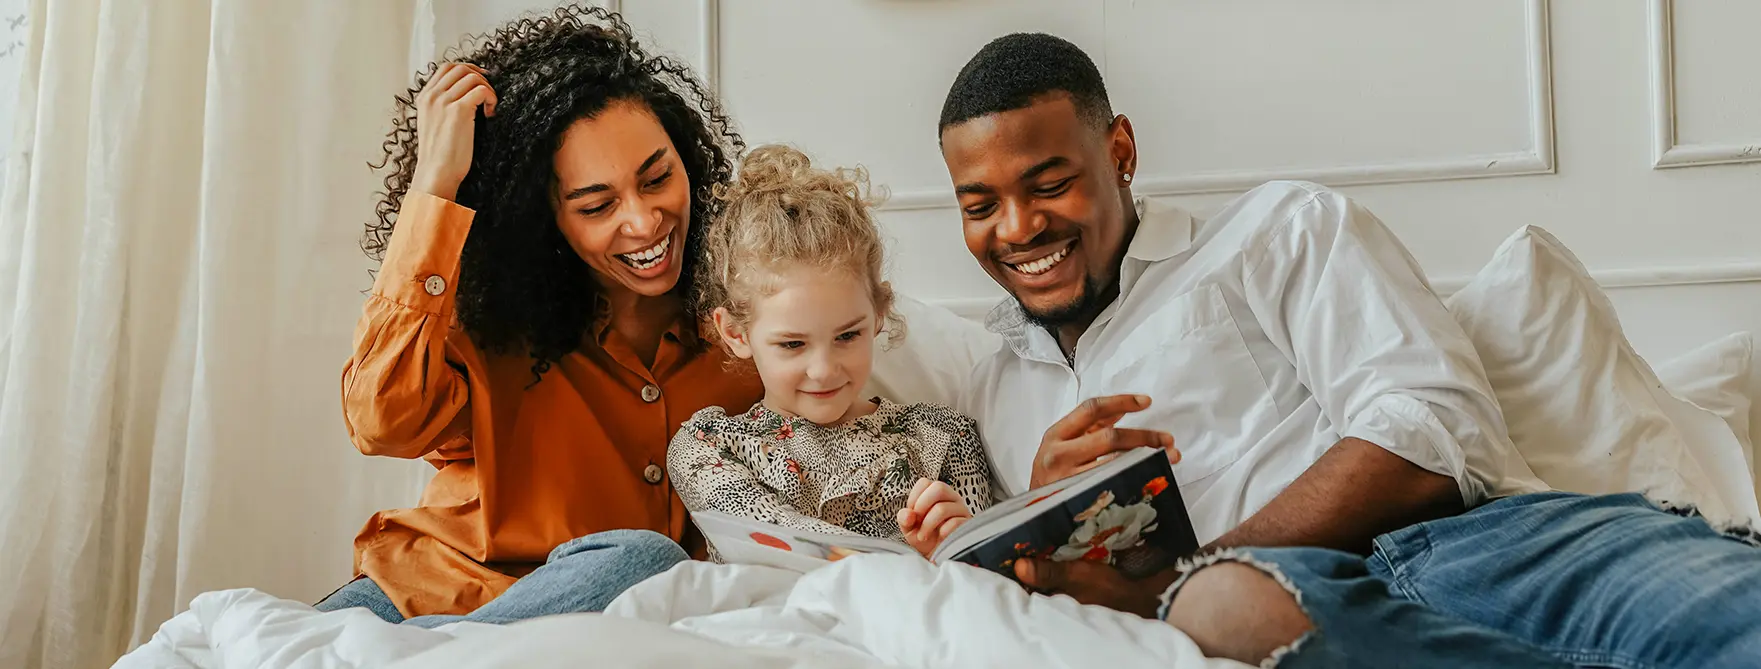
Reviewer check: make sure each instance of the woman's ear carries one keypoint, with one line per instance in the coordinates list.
(731, 333)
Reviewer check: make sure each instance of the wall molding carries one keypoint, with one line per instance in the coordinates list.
(709, 37)
(976, 308)
(1665, 152)
(1538, 159)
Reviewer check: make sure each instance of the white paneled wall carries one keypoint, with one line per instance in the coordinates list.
(1630, 128)
(1706, 111)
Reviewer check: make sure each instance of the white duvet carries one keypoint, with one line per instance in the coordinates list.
(869, 611)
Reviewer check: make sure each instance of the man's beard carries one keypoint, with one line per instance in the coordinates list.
(1090, 302)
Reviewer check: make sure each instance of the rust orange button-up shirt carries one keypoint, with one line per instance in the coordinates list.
(522, 467)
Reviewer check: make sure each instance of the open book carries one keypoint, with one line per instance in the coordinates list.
(1126, 512)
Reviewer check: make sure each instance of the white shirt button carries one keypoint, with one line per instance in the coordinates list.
(653, 474)
(434, 285)
(650, 393)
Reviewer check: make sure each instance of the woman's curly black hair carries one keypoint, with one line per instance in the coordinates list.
(521, 288)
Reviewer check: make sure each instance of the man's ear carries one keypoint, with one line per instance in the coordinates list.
(731, 333)
(1122, 148)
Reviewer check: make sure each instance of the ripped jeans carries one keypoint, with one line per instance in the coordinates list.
(1544, 580)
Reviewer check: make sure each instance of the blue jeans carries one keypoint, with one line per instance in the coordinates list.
(1546, 580)
(582, 575)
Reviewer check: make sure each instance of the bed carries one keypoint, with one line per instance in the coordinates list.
(1585, 410)
(870, 611)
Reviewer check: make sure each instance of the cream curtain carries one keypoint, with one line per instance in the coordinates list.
(186, 183)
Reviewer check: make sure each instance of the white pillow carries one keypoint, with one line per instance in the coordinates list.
(1722, 377)
(1586, 412)
(934, 361)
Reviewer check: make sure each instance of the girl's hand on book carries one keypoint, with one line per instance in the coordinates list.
(931, 513)
(1086, 438)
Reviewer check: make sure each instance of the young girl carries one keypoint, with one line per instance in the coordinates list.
(791, 277)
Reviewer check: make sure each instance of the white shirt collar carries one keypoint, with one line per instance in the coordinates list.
(1163, 231)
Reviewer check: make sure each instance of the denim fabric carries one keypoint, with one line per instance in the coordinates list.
(1607, 581)
(1543, 580)
(1357, 622)
(362, 593)
(582, 575)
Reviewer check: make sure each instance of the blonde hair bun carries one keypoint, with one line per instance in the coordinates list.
(783, 175)
(782, 212)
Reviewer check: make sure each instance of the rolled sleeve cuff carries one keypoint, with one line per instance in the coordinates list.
(421, 267)
(1408, 428)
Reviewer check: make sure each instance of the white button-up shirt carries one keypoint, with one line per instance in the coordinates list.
(1292, 319)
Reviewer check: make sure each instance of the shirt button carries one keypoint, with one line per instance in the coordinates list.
(653, 474)
(650, 393)
(434, 285)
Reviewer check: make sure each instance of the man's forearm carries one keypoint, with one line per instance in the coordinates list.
(1354, 492)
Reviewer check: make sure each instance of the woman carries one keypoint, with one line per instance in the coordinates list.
(529, 332)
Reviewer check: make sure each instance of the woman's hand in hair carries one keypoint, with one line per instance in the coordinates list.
(446, 118)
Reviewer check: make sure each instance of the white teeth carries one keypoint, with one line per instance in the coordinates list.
(1043, 264)
(648, 257)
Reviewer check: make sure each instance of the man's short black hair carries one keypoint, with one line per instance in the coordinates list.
(1015, 71)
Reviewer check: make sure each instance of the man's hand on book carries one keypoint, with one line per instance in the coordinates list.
(1096, 583)
(931, 513)
(1086, 437)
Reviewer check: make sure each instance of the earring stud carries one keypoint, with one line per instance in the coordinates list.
(1127, 178)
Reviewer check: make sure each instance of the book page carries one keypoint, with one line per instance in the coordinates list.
(746, 541)
(1128, 514)
(1025, 508)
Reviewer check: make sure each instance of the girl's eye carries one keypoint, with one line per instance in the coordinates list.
(980, 211)
(596, 210)
(791, 345)
(658, 181)
(850, 336)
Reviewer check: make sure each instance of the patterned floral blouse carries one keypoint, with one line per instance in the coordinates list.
(847, 479)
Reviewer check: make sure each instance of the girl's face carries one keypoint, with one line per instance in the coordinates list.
(622, 198)
(813, 344)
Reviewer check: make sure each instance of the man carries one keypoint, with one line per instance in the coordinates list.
(1322, 398)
